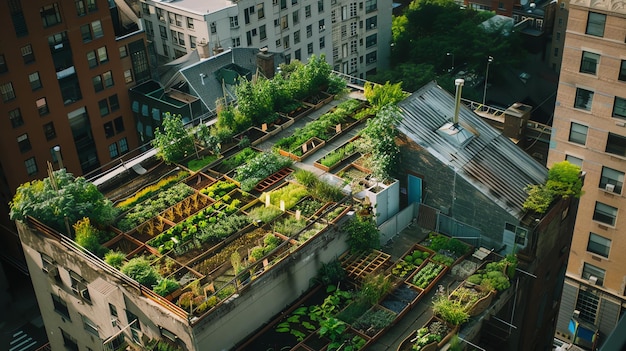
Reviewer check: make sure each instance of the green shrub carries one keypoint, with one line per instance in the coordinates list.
(166, 286)
(140, 270)
(207, 305)
(115, 258)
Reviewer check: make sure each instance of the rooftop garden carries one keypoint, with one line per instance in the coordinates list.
(564, 180)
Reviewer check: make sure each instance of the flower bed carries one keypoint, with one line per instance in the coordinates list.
(256, 169)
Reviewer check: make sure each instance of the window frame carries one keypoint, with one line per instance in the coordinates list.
(591, 270)
(595, 20)
(15, 116)
(50, 15)
(31, 166)
(579, 100)
(589, 62)
(615, 147)
(573, 132)
(23, 143)
(599, 245)
(49, 131)
(42, 106)
(619, 108)
(607, 215)
(35, 84)
(7, 91)
(612, 176)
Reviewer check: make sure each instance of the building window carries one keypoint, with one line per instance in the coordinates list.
(605, 213)
(109, 132)
(102, 55)
(85, 32)
(145, 8)
(90, 326)
(103, 81)
(589, 62)
(296, 37)
(295, 17)
(103, 105)
(619, 108)
(574, 160)
(192, 42)
(119, 124)
(60, 306)
(213, 28)
(284, 22)
(307, 11)
(123, 143)
(622, 71)
(590, 270)
(370, 6)
(322, 42)
(27, 54)
(3, 64)
(260, 10)
(320, 6)
(616, 144)
(48, 131)
(309, 31)
(48, 266)
(236, 42)
(599, 245)
(24, 143)
(31, 166)
(42, 106)
(113, 150)
(92, 60)
(149, 29)
(322, 25)
(595, 24)
(371, 23)
(578, 133)
(35, 82)
(50, 15)
(114, 103)
(234, 22)
(7, 92)
(371, 57)
(113, 310)
(79, 286)
(69, 342)
(262, 32)
(309, 48)
(123, 51)
(370, 41)
(16, 118)
(298, 55)
(520, 233)
(587, 304)
(82, 6)
(612, 180)
(584, 99)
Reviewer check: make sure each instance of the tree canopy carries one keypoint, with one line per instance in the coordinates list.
(173, 141)
(430, 34)
(63, 196)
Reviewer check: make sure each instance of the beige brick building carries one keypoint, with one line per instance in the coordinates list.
(589, 130)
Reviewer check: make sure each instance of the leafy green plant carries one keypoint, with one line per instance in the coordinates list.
(330, 273)
(374, 320)
(451, 311)
(166, 286)
(374, 287)
(363, 235)
(172, 141)
(378, 138)
(238, 159)
(563, 180)
(264, 214)
(140, 270)
(115, 258)
(90, 237)
(380, 95)
(61, 198)
(403, 268)
(150, 190)
(198, 164)
(426, 275)
(259, 167)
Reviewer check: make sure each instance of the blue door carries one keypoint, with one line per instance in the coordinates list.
(415, 189)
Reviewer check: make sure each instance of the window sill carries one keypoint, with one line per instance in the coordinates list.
(597, 256)
(603, 225)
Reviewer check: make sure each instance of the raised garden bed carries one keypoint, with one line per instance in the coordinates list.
(254, 134)
(272, 179)
(475, 299)
(413, 259)
(431, 337)
(427, 276)
(334, 158)
(359, 266)
(123, 243)
(318, 100)
(402, 298)
(305, 150)
(298, 112)
(373, 322)
(199, 181)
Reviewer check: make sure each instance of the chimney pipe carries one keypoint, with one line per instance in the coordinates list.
(57, 153)
(457, 105)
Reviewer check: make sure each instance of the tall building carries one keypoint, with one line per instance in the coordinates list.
(589, 130)
(354, 36)
(65, 70)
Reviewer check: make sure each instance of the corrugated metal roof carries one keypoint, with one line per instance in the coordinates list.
(489, 160)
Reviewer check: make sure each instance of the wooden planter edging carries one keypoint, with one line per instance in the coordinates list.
(408, 342)
(433, 282)
(262, 135)
(327, 98)
(272, 179)
(311, 146)
(298, 114)
(319, 165)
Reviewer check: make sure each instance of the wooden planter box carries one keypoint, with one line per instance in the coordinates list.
(319, 164)
(481, 304)
(272, 179)
(409, 341)
(200, 180)
(321, 99)
(308, 148)
(123, 243)
(433, 282)
(302, 111)
(254, 134)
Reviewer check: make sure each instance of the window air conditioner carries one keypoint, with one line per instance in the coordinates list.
(610, 187)
(593, 280)
(576, 313)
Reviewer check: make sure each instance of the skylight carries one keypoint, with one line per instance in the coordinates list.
(455, 134)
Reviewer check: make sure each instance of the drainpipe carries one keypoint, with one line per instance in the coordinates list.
(457, 105)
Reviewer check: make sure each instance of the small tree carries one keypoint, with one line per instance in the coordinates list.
(90, 237)
(564, 179)
(173, 141)
(379, 95)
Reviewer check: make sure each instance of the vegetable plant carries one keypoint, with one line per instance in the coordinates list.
(426, 275)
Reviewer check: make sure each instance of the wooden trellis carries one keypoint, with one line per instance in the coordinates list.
(359, 266)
